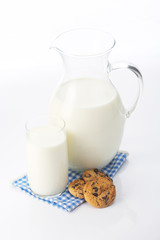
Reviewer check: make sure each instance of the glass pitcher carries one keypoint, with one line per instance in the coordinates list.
(87, 100)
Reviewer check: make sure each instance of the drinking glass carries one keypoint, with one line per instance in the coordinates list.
(47, 157)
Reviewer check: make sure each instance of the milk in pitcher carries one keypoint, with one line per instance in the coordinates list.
(93, 113)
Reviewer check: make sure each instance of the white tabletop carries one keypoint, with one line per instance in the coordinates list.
(27, 78)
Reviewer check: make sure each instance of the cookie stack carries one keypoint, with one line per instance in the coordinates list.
(95, 187)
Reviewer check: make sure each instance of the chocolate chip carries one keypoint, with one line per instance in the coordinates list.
(76, 184)
(95, 194)
(87, 175)
(95, 189)
(93, 184)
(96, 170)
(105, 198)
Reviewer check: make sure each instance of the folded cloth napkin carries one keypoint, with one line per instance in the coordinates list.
(66, 201)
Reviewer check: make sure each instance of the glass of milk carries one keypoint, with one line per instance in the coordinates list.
(47, 156)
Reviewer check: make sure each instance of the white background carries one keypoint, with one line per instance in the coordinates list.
(29, 72)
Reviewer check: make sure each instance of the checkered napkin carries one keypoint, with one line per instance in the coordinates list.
(66, 201)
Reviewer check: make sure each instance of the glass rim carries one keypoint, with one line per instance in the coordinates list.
(45, 116)
(83, 55)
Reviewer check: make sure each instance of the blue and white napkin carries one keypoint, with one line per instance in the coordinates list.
(66, 201)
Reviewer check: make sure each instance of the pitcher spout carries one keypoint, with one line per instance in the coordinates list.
(84, 42)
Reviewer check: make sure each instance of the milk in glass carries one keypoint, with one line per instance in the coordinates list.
(47, 160)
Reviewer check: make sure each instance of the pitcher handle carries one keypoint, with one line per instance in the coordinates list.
(134, 69)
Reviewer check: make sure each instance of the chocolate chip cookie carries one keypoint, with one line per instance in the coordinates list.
(99, 192)
(89, 175)
(76, 188)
